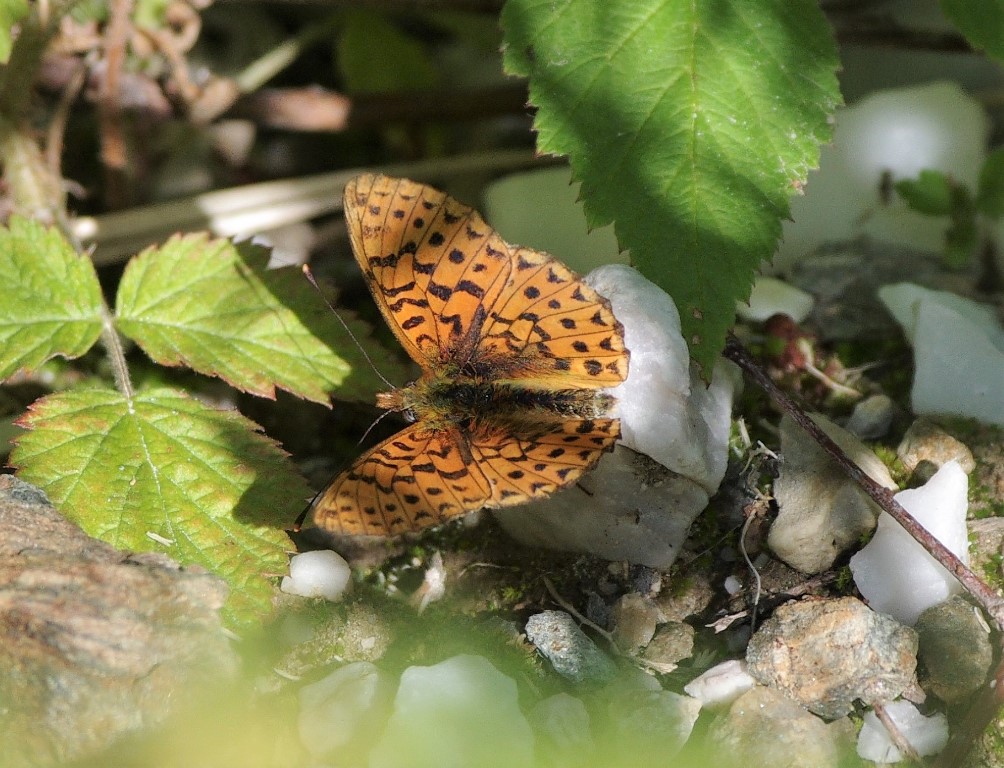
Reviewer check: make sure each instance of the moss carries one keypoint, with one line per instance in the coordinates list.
(993, 574)
(887, 455)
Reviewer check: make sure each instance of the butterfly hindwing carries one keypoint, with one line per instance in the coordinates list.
(413, 480)
(420, 478)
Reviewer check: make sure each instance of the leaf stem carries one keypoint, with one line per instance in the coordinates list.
(116, 353)
(983, 594)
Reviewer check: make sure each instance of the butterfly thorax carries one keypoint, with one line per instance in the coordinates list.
(445, 401)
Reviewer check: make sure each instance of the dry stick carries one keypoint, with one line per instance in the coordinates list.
(57, 128)
(895, 734)
(984, 595)
(113, 147)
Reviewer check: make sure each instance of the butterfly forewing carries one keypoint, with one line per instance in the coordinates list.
(432, 264)
(562, 332)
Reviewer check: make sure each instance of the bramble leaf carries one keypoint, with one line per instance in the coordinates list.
(163, 472)
(213, 306)
(688, 124)
(51, 299)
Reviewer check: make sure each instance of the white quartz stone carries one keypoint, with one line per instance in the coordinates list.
(927, 735)
(346, 709)
(898, 132)
(321, 573)
(958, 352)
(630, 507)
(771, 296)
(722, 684)
(893, 572)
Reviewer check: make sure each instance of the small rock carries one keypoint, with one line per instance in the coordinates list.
(926, 441)
(893, 572)
(684, 597)
(564, 734)
(673, 642)
(345, 711)
(871, 417)
(651, 726)
(927, 735)
(570, 651)
(722, 684)
(827, 653)
(771, 296)
(954, 648)
(321, 573)
(597, 610)
(460, 712)
(634, 621)
(765, 727)
(822, 512)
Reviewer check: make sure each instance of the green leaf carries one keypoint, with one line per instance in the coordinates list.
(11, 12)
(688, 124)
(981, 22)
(375, 56)
(51, 299)
(990, 197)
(930, 193)
(212, 305)
(163, 467)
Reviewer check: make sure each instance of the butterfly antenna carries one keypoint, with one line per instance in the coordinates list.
(310, 276)
(369, 429)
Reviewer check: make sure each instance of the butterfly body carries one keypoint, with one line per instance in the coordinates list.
(443, 401)
(515, 350)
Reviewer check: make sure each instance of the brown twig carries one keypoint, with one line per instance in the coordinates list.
(984, 595)
(57, 128)
(315, 109)
(113, 149)
(898, 739)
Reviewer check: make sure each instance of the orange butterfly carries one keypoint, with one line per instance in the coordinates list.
(514, 350)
